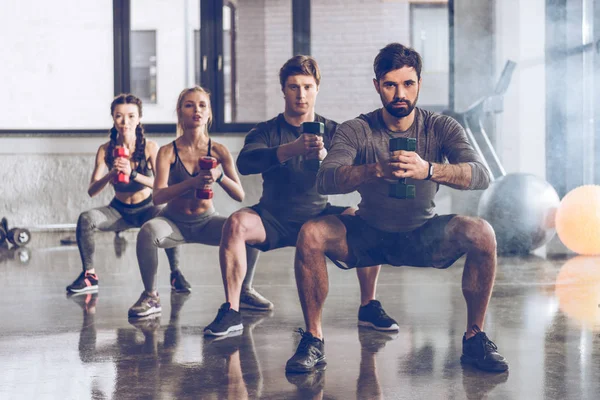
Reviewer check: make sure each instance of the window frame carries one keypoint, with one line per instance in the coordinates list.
(211, 47)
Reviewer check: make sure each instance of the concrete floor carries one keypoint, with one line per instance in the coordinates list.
(544, 317)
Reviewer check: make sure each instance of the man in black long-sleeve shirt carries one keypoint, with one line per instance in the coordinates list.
(288, 161)
(397, 231)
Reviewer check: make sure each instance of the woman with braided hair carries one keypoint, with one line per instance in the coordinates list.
(126, 162)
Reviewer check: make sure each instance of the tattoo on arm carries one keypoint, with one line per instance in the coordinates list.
(350, 177)
(457, 176)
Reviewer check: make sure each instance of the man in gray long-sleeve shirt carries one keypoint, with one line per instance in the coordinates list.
(389, 230)
(288, 161)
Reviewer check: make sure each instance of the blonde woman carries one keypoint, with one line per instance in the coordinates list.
(186, 217)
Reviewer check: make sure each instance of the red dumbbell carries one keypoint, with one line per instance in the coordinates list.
(206, 163)
(124, 153)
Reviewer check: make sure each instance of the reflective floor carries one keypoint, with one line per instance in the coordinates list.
(544, 317)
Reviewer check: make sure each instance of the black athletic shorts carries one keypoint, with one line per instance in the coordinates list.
(418, 248)
(281, 233)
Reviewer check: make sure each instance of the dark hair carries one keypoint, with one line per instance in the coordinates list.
(395, 56)
(139, 155)
(299, 65)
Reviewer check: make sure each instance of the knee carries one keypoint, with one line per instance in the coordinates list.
(236, 227)
(147, 236)
(85, 221)
(311, 237)
(476, 233)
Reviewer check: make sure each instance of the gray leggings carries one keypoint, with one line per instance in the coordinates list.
(116, 217)
(170, 229)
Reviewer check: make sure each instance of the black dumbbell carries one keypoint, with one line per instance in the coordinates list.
(19, 236)
(401, 190)
(316, 128)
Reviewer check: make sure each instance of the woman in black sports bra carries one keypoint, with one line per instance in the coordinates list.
(188, 217)
(132, 179)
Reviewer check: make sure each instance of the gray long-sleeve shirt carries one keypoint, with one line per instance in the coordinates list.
(289, 190)
(365, 139)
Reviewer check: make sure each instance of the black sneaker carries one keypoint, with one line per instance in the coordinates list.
(227, 321)
(480, 352)
(85, 282)
(374, 316)
(178, 282)
(310, 354)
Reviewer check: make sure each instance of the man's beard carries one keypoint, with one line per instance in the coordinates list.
(400, 112)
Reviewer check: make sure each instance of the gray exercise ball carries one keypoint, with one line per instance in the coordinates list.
(521, 209)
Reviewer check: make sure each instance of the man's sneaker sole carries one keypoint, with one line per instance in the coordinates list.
(232, 328)
(248, 306)
(489, 368)
(393, 328)
(321, 365)
(150, 311)
(86, 289)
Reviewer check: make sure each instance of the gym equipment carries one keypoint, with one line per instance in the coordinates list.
(521, 209)
(206, 163)
(401, 190)
(119, 244)
(578, 220)
(16, 236)
(315, 128)
(121, 152)
(577, 289)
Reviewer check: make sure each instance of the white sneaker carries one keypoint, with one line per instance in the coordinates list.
(250, 299)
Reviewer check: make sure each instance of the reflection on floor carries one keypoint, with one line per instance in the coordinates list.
(544, 317)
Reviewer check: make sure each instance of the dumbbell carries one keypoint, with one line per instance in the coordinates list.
(315, 128)
(205, 164)
(124, 153)
(18, 236)
(401, 190)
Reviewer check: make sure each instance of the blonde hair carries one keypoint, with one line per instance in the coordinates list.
(185, 92)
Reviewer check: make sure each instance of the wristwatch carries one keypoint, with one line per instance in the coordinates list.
(430, 172)
(220, 178)
(133, 174)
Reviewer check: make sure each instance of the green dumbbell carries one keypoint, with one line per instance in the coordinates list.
(401, 190)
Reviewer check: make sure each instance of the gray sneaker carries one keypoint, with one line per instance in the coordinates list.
(147, 304)
(250, 299)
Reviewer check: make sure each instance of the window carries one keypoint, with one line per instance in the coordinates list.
(143, 65)
(430, 37)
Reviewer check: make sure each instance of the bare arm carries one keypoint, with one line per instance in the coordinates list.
(101, 176)
(151, 151)
(231, 181)
(457, 176)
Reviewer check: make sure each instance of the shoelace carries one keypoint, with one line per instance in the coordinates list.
(305, 341)
(221, 313)
(486, 342)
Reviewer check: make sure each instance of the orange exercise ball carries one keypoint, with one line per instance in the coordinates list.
(578, 290)
(578, 220)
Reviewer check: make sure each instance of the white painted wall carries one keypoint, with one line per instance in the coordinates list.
(57, 64)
